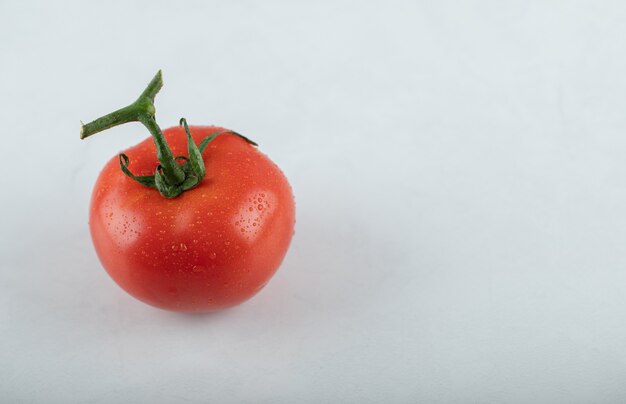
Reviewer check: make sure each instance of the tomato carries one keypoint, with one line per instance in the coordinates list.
(208, 248)
(211, 247)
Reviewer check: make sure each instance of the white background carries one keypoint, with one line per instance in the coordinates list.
(460, 176)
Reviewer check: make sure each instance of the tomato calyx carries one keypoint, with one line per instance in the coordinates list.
(170, 177)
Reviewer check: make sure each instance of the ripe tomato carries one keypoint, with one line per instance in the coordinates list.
(209, 248)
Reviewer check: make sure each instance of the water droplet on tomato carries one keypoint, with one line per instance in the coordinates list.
(198, 268)
(213, 255)
(174, 247)
(183, 247)
(259, 207)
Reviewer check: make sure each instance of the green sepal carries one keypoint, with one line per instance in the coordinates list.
(252, 142)
(147, 180)
(195, 156)
(168, 191)
(205, 142)
(190, 182)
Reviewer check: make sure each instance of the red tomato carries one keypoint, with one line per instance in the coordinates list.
(209, 248)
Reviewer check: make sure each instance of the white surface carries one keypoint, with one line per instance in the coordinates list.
(460, 180)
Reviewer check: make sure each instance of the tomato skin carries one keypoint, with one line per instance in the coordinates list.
(210, 248)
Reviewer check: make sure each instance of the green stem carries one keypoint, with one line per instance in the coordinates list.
(172, 172)
(121, 116)
(142, 110)
(170, 178)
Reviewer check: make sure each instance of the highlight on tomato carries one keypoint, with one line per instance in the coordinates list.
(192, 219)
